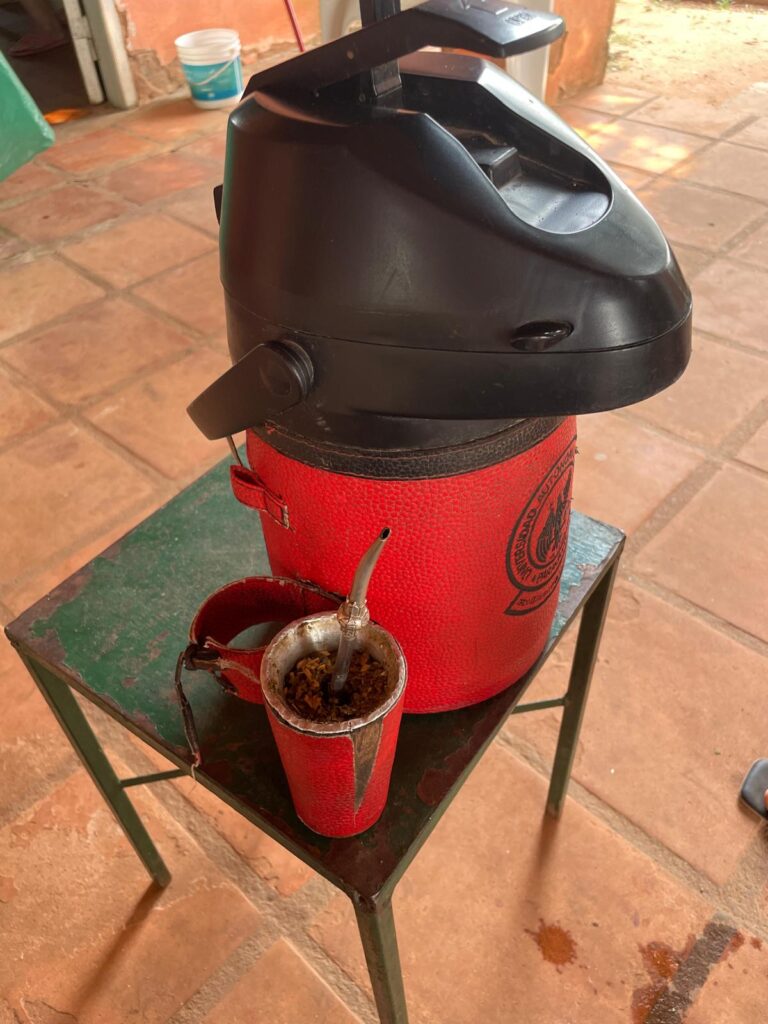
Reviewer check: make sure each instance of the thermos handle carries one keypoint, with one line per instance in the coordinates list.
(267, 380)
(491, 27)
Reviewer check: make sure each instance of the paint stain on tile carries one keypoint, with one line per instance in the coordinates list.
(643, 1001)
(737, 941)
(660, 960)
(675, 977)
(555, 944)
(662, 963)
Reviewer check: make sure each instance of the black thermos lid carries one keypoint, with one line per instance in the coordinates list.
(411, 238)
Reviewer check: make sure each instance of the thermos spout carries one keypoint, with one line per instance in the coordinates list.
(354, 614)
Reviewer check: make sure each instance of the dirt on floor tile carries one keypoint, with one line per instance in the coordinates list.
(738, 169)
(21, 411)
(137, 249)
(32, 177)
(719, 389)
(754, 134)
(95, 350)
(285, 989)
(271, 861)
(645, 147)
(715, 550)
(96, 151)
(667, 733)
(689, 114)
(173, 120)
(729, 301)
(613, 99)
(86, 933)
(192, 294)
(32, 293)
(504, 908)
(69, 486)
(196, 208)
(755, 451)
(34, 755)
(624, 470)
(60, 213)
(149, 416)
(157, 177)
(754, 248)
(687, 49)
(737, 987)
(699, 216)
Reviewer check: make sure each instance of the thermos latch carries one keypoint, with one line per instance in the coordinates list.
(500, 163)
(268, 380)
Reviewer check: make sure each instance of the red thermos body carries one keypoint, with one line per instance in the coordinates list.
(471, 579)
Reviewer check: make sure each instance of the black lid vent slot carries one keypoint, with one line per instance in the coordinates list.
(540, 335)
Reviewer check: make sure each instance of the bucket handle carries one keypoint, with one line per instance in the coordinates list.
(220, 71)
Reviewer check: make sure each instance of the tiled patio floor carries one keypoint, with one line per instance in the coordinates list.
(648, 904)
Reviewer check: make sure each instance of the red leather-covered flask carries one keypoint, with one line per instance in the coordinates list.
(427, 274)
(471, 579)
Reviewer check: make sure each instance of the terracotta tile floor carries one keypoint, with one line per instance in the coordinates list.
(654, 884)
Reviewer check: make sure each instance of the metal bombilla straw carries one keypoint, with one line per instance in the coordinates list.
(353, 614)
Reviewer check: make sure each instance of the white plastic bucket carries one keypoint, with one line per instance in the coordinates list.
(210, 60)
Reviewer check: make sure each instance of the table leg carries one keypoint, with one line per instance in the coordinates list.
(584, 658)
(377, 931)
(74, 723)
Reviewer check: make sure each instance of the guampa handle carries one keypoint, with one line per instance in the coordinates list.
(491, 27)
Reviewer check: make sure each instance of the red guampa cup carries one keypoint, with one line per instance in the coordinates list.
(338, 772)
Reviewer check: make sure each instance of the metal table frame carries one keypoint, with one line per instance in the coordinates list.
(366, 868)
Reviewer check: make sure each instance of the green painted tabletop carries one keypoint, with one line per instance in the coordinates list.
(114, 630)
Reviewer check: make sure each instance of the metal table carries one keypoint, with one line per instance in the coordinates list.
(113, 631)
